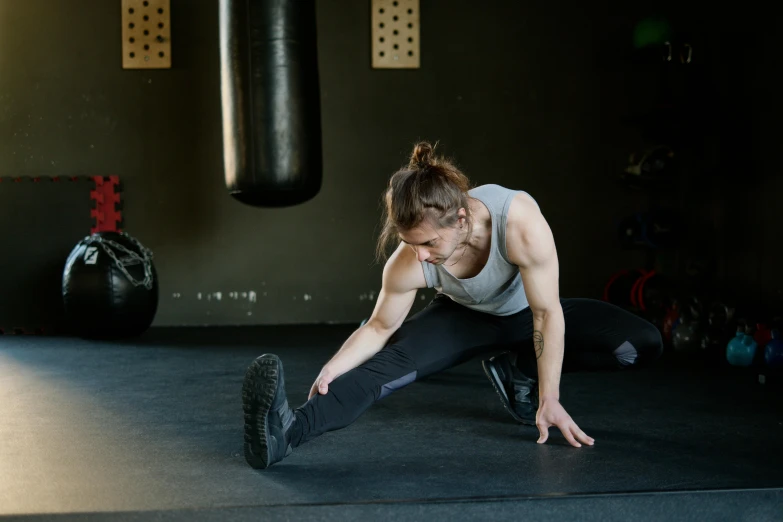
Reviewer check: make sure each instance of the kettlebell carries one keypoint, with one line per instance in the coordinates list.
(736, 348)
(716, 335)
(763, 334)
(773, 353)
(741, 349)
(686, 337)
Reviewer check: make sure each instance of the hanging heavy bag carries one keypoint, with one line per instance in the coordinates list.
(270, 101)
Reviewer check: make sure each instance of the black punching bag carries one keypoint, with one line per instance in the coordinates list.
(270, 101)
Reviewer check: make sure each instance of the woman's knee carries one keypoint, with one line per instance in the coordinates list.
(642, 347)
(649, 343)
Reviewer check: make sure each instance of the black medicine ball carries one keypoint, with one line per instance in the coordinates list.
(109, 287)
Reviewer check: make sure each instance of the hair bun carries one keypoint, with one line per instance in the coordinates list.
(422, 155)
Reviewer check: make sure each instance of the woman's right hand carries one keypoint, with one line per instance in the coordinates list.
(321, 384)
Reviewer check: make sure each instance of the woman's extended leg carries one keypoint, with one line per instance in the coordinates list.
(439, 337)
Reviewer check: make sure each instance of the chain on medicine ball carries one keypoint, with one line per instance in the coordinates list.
(110, 287)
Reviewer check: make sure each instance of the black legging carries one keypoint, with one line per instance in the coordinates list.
(598, 336)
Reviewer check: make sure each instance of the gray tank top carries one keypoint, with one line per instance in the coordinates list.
(498, 288)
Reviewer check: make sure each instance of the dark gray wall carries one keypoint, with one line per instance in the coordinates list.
(735, 181)
(529, 97)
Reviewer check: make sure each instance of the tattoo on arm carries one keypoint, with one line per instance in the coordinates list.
(538, 342)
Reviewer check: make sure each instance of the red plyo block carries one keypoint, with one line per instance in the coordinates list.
(108, 218)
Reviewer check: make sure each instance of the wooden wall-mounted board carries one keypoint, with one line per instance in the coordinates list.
(395, 34)
(146, 34)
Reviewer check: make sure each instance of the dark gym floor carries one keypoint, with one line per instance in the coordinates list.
(156, 425)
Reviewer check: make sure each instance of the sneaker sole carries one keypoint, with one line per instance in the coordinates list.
(494, 378)
(258, 392)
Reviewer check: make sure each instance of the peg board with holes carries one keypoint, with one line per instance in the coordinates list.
(146, 34)
(395, 34)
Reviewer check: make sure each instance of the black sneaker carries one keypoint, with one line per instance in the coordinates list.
(517, 392)
(268, 418)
